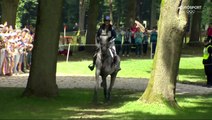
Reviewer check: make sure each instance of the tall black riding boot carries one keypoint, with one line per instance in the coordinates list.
(91, 66)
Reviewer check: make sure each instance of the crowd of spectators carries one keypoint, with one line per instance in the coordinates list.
(135, 39)
(15, 50)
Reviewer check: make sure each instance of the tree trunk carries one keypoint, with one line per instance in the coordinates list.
(162, 84)
(92, 22)
(131, 13)
(138, 10)
(196, 22)
(9, 10)
(153, 14)
(111, 10)
(82, 15)
(42, 77)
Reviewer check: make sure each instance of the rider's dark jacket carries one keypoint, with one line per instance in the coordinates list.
(110, 32)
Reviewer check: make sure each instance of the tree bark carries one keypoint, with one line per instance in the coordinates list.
(111, 10)
(42, 77)
(9, 10)
(153, 21)
(162, 84)
(131, 13)
(82, 15)
(196, 22)
(92, 22)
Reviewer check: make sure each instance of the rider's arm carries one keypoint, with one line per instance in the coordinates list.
(113, 33)
(99, 32)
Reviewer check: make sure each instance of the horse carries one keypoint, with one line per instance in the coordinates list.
(105, 66)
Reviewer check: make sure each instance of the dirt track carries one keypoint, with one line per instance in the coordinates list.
(65, 81)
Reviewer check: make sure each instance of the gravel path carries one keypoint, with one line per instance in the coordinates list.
(64, 81)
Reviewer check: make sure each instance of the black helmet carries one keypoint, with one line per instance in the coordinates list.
(107, 18)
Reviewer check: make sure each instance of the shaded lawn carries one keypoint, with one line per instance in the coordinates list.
(76, 104)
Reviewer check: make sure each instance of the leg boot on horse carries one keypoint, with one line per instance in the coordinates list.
(116, 63)
(116, 59)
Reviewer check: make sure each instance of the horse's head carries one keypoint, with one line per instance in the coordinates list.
(104, 43)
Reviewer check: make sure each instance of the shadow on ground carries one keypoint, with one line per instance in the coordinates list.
(77, 104)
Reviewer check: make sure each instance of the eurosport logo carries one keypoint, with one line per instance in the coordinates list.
(191, 9)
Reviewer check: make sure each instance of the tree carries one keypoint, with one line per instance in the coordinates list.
(82, 8)
(42, 77)
(27, 13)
(206, 13)
(9, 10)
(155, 6)
(92, 22)
(119, 12)
(70, 13)
(162, 83)
(111, 10)
(153, 21)
(196, 22)
(131, 12)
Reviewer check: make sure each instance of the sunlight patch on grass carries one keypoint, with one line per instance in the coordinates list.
(68, 108)
(76, 104)
(194, 101)
(191, 69)
(137, 106)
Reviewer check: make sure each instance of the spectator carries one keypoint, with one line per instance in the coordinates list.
(15, 47)
(138, 41)
(153, 41)
(126, 44)
(209, 32)
(145, 42)
(207, 61)
(76, 27)
(2, 54)
(118, 41)
(133, 31)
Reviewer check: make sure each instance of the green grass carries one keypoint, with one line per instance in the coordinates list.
(191, 68)
(76, 104)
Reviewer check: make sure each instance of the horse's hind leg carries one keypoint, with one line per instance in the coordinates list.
(112, 81)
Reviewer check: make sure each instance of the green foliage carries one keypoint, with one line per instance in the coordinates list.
(27, 13)
(70, 13)
(77, 104)
(119, 11)
(206, 13)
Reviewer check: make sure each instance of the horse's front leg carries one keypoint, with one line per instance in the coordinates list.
(104, 85)
(112, 81)
(96, 88)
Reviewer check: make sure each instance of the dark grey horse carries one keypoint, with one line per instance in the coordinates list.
(105, 66)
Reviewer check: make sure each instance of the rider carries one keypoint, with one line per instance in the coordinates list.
(106, 29)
